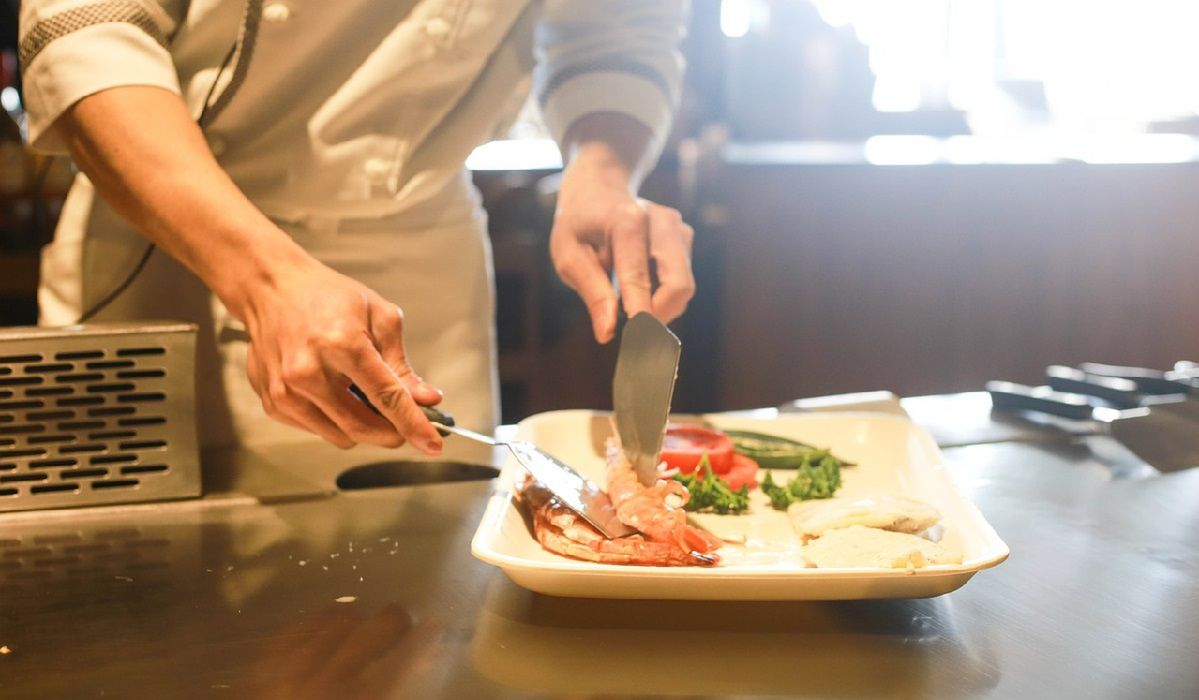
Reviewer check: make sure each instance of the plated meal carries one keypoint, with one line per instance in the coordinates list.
(706, 470)
(803, 507)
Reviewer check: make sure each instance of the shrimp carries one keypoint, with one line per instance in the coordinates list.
(562, 531)
(657, 511)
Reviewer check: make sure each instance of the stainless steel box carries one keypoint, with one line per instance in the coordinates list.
(97, 414)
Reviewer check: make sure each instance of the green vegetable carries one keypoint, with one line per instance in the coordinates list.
(773, 452)
(818, 476)
(710, 494)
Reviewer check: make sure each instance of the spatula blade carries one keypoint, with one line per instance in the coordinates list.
(576, 491)
(646, 369)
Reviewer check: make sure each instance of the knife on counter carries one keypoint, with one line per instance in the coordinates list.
(1126, 387)
(1165, 440)
(642, 387)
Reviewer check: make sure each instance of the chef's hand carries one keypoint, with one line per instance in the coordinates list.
(601, 227)
(313, 333)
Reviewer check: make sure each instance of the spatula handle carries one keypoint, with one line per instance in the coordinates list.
(1009, 396)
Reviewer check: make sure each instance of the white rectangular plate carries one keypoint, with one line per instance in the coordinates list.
(893, 456)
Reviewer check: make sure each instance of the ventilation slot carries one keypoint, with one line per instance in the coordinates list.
(81, 401)
(44, 439)
(76, 378)
(49, 391)
(140, 352)
(110, 388)
(53, 488)
(110, 364)
(148, 420)
(111, 411)
(49, 415)
(19, 359)
(47, 463)
(141, 374)
(80, 355)
(113, 459)
(144, 445)
(144, 469)
(13, 478)
(82, 473)
(142, 398)
(93, 447)
(115, 484)
(19, 381)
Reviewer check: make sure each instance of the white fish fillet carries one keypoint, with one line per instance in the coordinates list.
(813, 518)
(867, 547)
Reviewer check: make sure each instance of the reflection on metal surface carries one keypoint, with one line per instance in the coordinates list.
(45, 565)
(821, 649)
(409, 473)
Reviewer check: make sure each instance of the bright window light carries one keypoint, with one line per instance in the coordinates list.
(9, 99)
(735, 18)
(1095, 67)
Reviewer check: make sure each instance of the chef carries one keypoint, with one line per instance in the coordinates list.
(289, 175)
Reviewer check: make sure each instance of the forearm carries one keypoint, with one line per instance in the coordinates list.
(149, 160)
(612, 146)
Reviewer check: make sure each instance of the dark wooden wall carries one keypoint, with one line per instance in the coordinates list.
(935, 278)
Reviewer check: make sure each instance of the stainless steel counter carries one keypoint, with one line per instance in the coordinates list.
(373, 594)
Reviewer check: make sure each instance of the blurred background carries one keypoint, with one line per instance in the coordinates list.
(913, 195)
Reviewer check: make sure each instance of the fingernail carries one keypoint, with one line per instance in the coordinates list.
(434, 446)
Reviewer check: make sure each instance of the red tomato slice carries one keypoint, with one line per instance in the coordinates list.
(744, 471)
(684, 445)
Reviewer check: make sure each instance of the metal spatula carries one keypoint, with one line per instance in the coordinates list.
(572, 488)
(646, 368)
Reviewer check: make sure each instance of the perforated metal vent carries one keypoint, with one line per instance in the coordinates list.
(97, 414)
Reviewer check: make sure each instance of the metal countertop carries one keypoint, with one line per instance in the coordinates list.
(231, 597)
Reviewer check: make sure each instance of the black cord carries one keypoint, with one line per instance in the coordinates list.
(150, 248)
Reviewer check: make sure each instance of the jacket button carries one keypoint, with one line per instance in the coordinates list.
(276, 12)
(437, 28)
(377, 170)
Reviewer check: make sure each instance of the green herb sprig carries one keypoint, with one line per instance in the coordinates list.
(819, 476)
(709, 493)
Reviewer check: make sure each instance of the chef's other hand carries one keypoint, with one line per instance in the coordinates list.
(313, 333)
(601, 228)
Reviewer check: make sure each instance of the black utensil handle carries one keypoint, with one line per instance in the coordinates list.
(1148, 381)
(433, 414)
(1009, 396)
(1121, 393)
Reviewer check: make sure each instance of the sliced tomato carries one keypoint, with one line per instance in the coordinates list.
(684, 446)
(744, 472)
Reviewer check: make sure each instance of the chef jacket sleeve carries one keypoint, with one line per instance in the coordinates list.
(70, 49)
(611, 56)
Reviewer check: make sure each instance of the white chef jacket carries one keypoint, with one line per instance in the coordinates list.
(347, 123)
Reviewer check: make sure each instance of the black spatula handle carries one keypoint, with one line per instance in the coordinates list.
(1009, 396)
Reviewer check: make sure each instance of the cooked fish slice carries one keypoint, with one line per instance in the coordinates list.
(867, 547)
(813, 518)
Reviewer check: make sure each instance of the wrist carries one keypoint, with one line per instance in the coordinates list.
(248, 274)
(598, 162)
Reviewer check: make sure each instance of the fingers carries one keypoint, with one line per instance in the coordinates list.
(670, 248)
(309, 389)
(630, 259)
(581, 269)
(387, 328)
(362, 365)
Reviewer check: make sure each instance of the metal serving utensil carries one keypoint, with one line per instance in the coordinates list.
(574, 490)
(646, 368)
